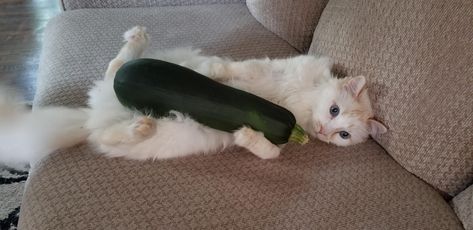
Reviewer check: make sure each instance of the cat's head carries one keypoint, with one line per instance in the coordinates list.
(344, 116)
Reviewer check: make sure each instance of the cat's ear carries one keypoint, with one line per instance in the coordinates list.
(376, 128)
(355, 85)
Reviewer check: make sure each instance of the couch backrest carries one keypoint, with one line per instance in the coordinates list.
(80, 4)
(418, 58)
(294, 21)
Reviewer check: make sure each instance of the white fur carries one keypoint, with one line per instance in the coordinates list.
(302, 84)
(109, 117)
(27, 136)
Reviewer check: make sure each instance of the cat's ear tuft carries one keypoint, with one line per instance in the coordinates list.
(355, 85)
(376, 128)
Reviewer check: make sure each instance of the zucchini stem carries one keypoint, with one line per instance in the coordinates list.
(298, 135)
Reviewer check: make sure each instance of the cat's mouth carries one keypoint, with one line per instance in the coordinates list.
(323, 137)
(318, 132)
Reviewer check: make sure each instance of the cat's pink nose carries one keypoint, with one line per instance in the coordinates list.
(321, 131)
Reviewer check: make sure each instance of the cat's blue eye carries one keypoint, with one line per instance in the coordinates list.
(334, 110)
(344, 134)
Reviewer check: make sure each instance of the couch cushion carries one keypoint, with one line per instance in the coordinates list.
(294, 21)
(79, 4)
(79, 44)
(356, 187)
(463, 206)
(315, 186)
(418, 58)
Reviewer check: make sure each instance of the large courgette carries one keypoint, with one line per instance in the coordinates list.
(155, 87)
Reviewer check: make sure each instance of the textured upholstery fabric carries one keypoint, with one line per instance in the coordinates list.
(294, 21)
(80, 4)
(316, 186)
(418, 58)
(75, 53)
(313, 186)
(463, 206)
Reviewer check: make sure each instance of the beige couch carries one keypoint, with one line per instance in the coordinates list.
(416, 55)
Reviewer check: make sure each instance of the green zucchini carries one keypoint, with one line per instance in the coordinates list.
(156, 87)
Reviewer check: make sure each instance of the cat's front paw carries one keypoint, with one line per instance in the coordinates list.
(256, 143)
(144, 127)
(269, 153)
(137, 34)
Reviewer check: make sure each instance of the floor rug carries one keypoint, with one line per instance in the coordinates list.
(12, 183)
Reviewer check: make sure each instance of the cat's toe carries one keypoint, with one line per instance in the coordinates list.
(256, 143)
(144, 126)
(217, 69)
(137, 34)
(244, 136)
(220, 72)
(271, 153)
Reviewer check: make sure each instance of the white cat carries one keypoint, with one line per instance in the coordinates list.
(333, 110)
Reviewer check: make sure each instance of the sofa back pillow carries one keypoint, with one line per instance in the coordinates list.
(294, 21)
(80, 4)
(418, 59)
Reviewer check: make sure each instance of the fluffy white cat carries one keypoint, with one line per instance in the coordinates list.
(332, 110)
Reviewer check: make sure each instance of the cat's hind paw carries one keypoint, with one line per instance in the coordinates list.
(144, 127)
(136, 34)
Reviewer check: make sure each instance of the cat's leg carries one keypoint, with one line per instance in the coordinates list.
(136, 41)
(214, 67)
(141, 127)
(210, 66)
(247, 70)
(220, 71)
(128, 132)
(256, 143)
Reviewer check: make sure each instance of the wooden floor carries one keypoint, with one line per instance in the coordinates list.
(22, 24)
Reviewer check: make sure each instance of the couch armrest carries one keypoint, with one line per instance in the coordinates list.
(462, 204)
(79, 4)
